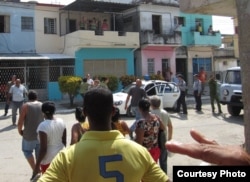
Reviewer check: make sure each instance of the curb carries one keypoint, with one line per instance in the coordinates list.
(64, 111)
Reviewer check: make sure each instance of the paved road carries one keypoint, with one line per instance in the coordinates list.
(223, 128)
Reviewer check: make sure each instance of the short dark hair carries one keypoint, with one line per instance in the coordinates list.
(48, 108)
(98, 104)
(32, 95)
(79, 114)
(84, 80)
(144, 105)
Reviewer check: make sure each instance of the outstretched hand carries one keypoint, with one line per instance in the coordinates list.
(210, 151)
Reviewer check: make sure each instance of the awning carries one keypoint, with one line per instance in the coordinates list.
(97, 6)
(34, 56)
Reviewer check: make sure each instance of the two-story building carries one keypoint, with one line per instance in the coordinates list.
(199, 42)
(44, 41)
(40, 42)
(160, 36)
(171, 39)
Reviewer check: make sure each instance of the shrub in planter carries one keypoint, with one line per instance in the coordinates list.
(156, 77)
(127, 79)
(70, 85)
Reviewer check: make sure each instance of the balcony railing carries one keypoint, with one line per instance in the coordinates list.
(227, 52)
(149, 37)
(101, 39)
(194, 38)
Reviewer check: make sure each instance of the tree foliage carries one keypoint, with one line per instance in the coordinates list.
(127, 79)
(70, 85)
(113, 81)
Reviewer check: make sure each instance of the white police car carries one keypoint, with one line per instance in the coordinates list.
(167, 91)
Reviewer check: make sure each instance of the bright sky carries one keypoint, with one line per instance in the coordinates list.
(224, 24)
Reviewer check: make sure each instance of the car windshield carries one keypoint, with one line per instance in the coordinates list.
(127, 88)
(233, 77)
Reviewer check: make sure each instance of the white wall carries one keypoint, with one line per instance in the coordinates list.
(47, 43)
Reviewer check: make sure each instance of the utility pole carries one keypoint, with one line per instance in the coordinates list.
(243, 14)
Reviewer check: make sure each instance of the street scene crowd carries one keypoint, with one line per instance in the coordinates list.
(98, 138)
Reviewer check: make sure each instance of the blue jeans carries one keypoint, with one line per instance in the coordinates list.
(164, 154)
(163, 160)
(135, 110)
(15, 106)
(29, 146)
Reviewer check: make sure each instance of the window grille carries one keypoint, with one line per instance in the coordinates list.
(27, 23)
(50, 25)
(151, 66)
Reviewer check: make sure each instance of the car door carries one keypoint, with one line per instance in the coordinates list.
(157, 88)
(150, 89)
(170, 93)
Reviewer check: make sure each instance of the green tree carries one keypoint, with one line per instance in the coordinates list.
(70, 85)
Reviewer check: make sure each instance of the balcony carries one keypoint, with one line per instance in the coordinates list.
(224, 53)
(193, 38)
(96, 39)
(149, 37)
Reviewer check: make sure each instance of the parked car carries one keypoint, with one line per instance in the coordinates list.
(167, 91)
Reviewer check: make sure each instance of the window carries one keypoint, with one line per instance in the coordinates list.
(206, 63)
(151, 66)
(49, 25)
(233, 77)
(27, 23)
(199, 25)
(179, 21)
(156, 24)
(64, 67)
(150, 89)
(4, 24)
(71, 25)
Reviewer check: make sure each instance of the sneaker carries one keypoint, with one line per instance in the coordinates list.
(35, 178)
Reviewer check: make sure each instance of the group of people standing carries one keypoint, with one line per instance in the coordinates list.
(150, 122)
(102, 149)
(93, 24)
(95, 145)
(199, 83)
(89, 83)
(41, 132)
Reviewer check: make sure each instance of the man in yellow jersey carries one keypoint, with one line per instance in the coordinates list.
(103, 154)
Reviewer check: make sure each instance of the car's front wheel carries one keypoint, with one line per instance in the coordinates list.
(233, 110)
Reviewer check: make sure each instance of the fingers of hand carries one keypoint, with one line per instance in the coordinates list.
(197, 136)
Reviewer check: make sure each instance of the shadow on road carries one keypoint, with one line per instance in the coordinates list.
(234, 119)
(7, 128)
